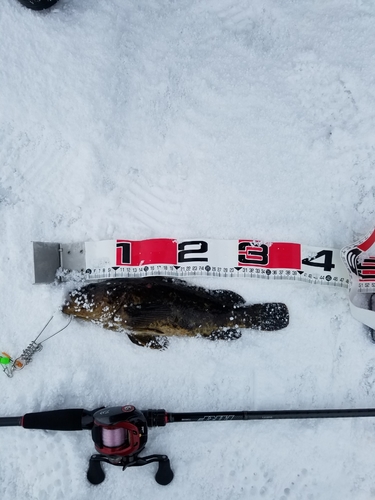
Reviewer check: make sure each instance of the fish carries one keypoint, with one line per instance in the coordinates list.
(151, 309)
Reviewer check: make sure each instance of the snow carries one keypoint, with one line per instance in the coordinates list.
(218, 119)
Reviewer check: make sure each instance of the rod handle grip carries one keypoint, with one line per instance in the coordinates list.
(56, 420)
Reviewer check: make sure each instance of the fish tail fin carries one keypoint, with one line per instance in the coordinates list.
(269, 316)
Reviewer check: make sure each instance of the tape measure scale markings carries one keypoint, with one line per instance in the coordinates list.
(223, 258)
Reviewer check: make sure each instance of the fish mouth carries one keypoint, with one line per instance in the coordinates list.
(82, 305)
(73, 310)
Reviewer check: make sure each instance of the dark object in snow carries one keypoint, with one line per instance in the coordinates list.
(371, 306)
(38, 4)
(120, 432)
(158, 307)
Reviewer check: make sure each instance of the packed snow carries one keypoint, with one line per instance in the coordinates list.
(219, 119)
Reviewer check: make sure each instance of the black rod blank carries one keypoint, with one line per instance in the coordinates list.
(10, 421)
(73, 419)
(269, 415)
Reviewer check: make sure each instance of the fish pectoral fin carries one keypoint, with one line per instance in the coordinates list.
(225, 334)
(151, 341)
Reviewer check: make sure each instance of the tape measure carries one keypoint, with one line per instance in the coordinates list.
(196, 257)
(244, 258)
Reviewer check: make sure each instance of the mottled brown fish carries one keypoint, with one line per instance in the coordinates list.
(151, 309)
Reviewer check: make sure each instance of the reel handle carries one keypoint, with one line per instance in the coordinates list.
(96, 475)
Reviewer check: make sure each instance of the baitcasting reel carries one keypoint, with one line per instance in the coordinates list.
(120, 434)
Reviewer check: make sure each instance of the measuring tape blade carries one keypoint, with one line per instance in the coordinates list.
(244, 258)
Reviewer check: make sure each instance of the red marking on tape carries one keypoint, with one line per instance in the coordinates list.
(270, 256)
(146, 252)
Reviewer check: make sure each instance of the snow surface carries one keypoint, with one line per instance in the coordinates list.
(215, 119)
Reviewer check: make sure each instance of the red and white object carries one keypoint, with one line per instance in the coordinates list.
(246, 258)
(359, 259)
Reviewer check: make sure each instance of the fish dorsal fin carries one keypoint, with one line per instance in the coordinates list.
(224, 297)
(227, 297)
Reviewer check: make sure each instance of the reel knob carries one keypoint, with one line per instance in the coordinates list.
(95, 473)
(164, 474)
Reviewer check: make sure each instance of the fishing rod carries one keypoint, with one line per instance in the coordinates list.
(120, 432)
